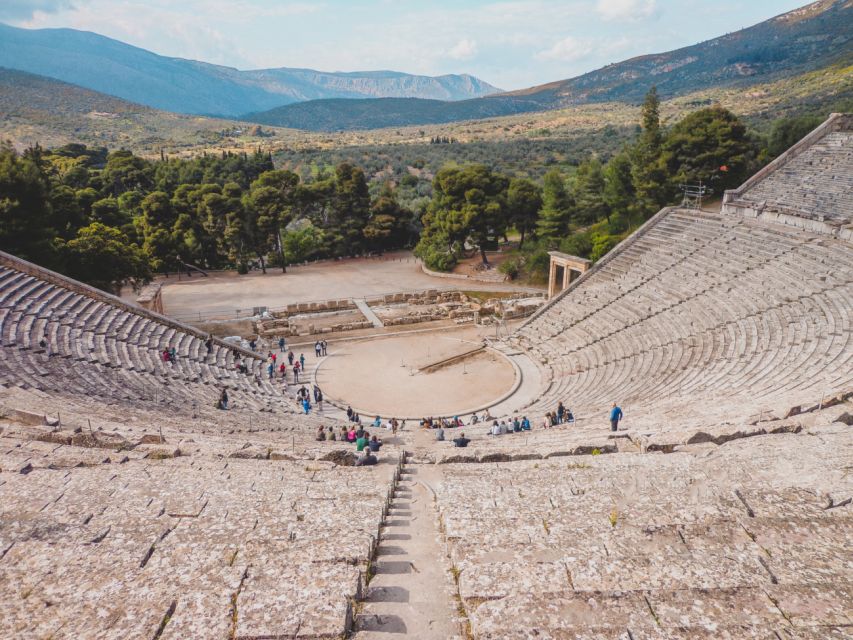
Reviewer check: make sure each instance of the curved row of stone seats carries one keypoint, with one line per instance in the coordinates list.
(653, 546)
(744, 309)
(589, 434)
(114, 350)
(675, 240)
(816, 181)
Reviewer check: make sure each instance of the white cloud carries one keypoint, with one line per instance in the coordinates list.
(572, 49)
(626, 9)
(465, 49)
(26, 9)
(568, 49)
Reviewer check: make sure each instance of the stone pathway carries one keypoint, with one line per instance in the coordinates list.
(367, 312)
(410, 594)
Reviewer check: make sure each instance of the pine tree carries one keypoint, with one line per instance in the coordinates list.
(589, 192)
(647, 169)
(557, 207)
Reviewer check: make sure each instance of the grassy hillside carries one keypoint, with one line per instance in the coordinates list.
(814, 37)
(529, 144)
(34, 109)
(39, 110)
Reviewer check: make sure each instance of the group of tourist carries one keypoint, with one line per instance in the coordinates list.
(460, 441)
(320, 348)
(513, 426)
(562, 415)
(303, 398)
(366, 445)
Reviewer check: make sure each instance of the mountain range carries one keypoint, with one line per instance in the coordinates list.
(814, 36)
(112, 67)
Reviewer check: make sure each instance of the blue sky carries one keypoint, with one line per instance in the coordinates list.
(512, 44)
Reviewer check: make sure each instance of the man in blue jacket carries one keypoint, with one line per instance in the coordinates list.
(615, 417)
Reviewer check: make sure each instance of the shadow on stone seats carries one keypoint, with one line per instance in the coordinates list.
(390, 550)
(390, 567)
(396, 536)
(383, 623)
(387, 594)
(396, 523)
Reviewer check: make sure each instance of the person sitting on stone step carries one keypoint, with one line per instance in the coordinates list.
(366, 458)
(321, 434)
(361, 441)
(461, 441)
(375, 444)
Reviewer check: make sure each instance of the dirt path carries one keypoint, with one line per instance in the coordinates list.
(411, 593)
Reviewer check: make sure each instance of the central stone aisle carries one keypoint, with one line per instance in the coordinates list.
(411, 592)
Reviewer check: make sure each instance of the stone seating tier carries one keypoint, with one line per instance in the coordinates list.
(702, 309)
(656, 546)
(115, 352)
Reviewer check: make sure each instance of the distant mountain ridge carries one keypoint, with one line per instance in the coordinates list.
(112, 67)
(808, 38)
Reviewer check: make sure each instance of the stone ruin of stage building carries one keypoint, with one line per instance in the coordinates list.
(393, 310)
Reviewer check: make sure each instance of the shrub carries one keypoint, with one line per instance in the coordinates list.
(511, 267)
(601, 244)
(578, 244)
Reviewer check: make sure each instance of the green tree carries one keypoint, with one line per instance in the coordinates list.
(710, 145)
(524, 200)
(106, 211)
(104, 257)
(557, 207)
(273, 198)
(591, 205)
(190, 229)
(788, 131)
(65, 211)
(25, 214)
(303, 243)
(126, 172)
(350, 210)
(619, 192)
(239, 232)
(647, 170)
(388, 226)
(156, 224)
(468, 203)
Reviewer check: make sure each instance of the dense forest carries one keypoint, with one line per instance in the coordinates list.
(114, 218)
